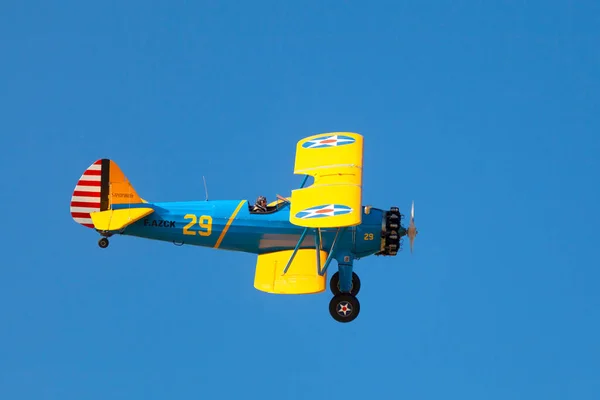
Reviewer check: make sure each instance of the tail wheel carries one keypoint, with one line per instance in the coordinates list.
(103, 243)
(344, 307)
(334, 284)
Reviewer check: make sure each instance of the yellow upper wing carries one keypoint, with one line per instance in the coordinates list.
(334, 200)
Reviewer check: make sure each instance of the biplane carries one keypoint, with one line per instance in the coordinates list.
(295, 240)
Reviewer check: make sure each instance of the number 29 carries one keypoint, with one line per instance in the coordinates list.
(205, 222)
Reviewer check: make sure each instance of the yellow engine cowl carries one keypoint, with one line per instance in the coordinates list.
(301, 278)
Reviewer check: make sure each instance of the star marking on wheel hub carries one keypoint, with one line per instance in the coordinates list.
(344, 308)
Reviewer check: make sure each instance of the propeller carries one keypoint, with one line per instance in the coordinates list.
(412, 229)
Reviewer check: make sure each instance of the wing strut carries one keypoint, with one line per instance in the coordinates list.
(321, 271)
(304, 181)
(295, 251)
(340, 232)
(318, 247)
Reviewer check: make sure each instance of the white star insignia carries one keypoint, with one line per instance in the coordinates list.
(344, 308)
(314, 213)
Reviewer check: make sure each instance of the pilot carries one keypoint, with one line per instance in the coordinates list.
(261, 205)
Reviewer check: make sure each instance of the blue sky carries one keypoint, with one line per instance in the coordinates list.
(486, 115)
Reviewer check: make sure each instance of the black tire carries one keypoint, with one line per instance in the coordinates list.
(103, 243)
(344, 308)
(334, 284)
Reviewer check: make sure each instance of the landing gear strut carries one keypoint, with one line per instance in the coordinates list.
(103, 243)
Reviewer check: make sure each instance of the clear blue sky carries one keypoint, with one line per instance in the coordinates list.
(485, 115)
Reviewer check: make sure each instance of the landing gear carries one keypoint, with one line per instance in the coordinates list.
(334, 284)
(103, 243)
(344, 307)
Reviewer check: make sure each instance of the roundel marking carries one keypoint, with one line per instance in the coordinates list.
(326, 210)
(328, 141)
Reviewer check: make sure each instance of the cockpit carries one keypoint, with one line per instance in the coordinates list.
(262, 207)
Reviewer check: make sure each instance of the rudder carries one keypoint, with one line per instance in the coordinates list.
(100, 186)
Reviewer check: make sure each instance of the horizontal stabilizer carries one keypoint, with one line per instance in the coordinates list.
(301, 278)
(334, 199)
(114, 220)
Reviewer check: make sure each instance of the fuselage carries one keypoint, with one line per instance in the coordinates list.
(230, 225)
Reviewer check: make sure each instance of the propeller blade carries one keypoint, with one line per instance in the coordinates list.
(412, 229)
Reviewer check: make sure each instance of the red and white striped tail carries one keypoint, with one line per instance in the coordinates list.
(87, 195)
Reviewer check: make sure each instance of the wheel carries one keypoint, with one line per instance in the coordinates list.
(103, 242)
(344, 308)
(334, 284)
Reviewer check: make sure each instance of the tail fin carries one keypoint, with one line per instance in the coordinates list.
(101, 185)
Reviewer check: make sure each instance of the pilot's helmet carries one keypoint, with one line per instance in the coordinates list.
(261, 199)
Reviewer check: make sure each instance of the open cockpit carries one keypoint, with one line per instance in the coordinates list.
(262, 207)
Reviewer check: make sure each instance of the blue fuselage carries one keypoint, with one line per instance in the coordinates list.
(230, 225)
